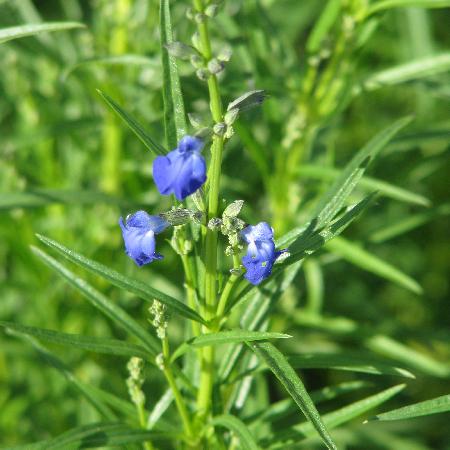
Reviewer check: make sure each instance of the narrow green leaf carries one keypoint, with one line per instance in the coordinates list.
(134, 125)
(338, 417)
(367, 261)
(309, 242)
(122, 406)
(174, 114)
(389, 4)
(8, 34)
(114, 312)
(99, 345)
(102, 434)
(425, 408)
(323, 25)
(398, 351)
(111, 60)
(43, 197)
(367, 183)
(142, 290)
(411, 71)
(239, 428)
(226, 337)
(333, 200)
(286, 407)
(409, 223)
(84, 389)
(281, 368)
(346, 361)
(234, 337)
(160, 408)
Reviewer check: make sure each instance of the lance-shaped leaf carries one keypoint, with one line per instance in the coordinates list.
(142, 290)
(114, 312)
(389, 4)
(21, 31)
(239, 428)
(92, 344)
(103, 434)
(368, 261)
(335, 418)
(247, 101)
(281, 368)
(411, 71)
(134, 125)
(174, 114)
(334, 199)
(434, 406)
(227, 337)
(86, 390)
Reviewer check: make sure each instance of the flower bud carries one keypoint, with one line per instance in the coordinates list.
(214, 223)
(233, 209)
(197, 61)
(225, 54)
(231, 116)
(220, 128)
(211, 10)
(180, 50)
(200, 18)
(215, 66)
(203, 74)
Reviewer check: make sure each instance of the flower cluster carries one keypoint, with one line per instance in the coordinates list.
(182, 172)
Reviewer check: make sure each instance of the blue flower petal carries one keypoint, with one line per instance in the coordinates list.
(261, 254)
(190, 144)
(138, 233)
(260, 232)
(182, 171)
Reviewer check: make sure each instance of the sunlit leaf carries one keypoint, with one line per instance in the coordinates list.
(425, 408)
(21, 31)
(281, 368)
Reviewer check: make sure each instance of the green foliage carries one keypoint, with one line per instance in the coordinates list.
(356, 303)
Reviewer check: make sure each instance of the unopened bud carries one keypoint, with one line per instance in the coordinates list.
(214, 223)
(231, 116)
(200, 18)
(233, 209)
(215, 66)
(211, 10)
(203, 74)
(220, 128)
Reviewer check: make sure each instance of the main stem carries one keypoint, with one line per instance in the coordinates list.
(179, 401)
(207, 363)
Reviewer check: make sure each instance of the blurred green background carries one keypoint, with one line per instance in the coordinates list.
(69, 168)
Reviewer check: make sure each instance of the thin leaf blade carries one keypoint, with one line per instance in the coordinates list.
(174, 114)
(89, 343)
(371, 263)
(134, 125)
(239, 428)
(21, 31)
(102, 303)
(281, 368)
(142, 290)
(433, 406)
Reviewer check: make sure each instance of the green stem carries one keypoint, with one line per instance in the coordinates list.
(190, 287)
(141, 412)
(207, 363)
(228, 288)
(179, 401)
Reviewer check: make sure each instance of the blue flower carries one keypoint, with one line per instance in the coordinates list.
(139, 232)
(261, 254)
(182, 171)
